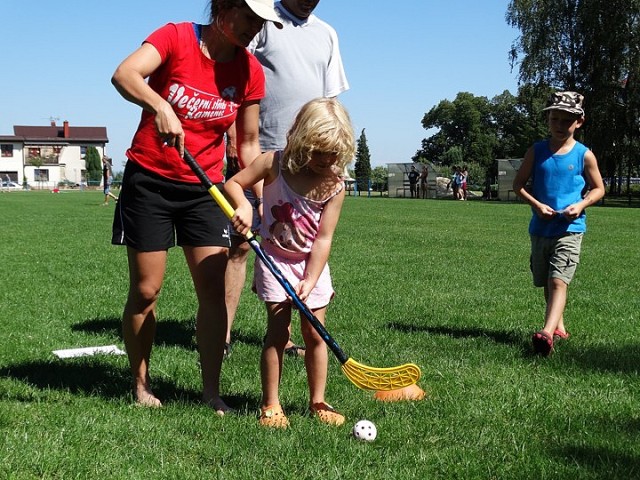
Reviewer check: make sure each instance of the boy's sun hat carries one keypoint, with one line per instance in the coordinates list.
(567, 101)
(264, 9)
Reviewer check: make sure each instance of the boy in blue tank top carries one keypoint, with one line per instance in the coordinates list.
(561, 170)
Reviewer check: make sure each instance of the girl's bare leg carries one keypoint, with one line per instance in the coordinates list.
(278, 321)
(316, 359)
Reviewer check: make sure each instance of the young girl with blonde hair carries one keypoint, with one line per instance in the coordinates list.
(303, 195)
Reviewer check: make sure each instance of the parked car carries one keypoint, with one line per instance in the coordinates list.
(11, 186)
(68, 184)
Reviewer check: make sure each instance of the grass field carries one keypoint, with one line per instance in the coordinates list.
(443, 284)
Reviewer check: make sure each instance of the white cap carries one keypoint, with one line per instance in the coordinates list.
(264, 9)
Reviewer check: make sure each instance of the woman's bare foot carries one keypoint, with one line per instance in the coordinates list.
(293, 350)
(218, 405)
(145, 397)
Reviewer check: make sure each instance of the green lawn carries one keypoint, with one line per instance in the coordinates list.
(443, 284)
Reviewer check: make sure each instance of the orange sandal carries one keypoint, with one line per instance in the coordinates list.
(326, 414)
(273, 416)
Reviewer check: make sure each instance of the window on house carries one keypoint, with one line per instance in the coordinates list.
(7, 150)
(50, 154)
(41, 175)
(8, 177)
(83, 151)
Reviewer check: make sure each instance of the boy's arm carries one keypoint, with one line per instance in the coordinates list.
(522, 176)
(519, 183)
(596, 187)
(321, 246)
(594, 179)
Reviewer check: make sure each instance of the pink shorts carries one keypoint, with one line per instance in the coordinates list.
(269, 289)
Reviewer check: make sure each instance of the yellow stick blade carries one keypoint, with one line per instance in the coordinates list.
(372, 378)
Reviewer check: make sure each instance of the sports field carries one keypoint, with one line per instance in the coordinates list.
(443, 284)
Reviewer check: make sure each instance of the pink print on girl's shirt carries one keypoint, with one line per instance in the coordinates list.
(290, 228)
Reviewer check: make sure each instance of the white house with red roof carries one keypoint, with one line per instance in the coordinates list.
(59, 149)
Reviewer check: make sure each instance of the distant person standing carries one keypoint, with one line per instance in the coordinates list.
(561, 169)
(456, 183)
(464, 175)
(107, 180)
(424, 176)
(301, 62)
(413, 181)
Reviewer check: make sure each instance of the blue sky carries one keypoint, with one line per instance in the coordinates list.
(58, 58)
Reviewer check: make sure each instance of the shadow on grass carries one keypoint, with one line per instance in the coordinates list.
(178, 333)
(92, 377)
(605, 461)
(169, 332)
(605, 358)
(498, 336)
(248, 338)
(82, 376)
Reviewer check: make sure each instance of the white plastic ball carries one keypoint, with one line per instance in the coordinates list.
(365, 430)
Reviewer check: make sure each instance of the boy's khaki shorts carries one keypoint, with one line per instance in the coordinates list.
(555, 257)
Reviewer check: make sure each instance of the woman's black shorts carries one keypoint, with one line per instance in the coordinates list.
(154, 213)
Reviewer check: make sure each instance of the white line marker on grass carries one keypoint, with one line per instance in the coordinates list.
(87, 351)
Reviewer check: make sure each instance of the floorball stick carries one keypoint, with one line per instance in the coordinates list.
(362, 376)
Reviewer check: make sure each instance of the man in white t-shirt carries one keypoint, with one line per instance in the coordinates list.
(301, 62)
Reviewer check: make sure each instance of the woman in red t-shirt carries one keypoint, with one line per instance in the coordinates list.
(192, 82)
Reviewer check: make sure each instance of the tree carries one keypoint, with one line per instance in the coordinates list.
(93, 165)
(475, 130)
(363, 163)
(518, 120)
(549, 42)
(466, 125)
(453, 156)
(532, 123)
(380, 178)
(433, 148)
(611, 59)
(591, 46)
